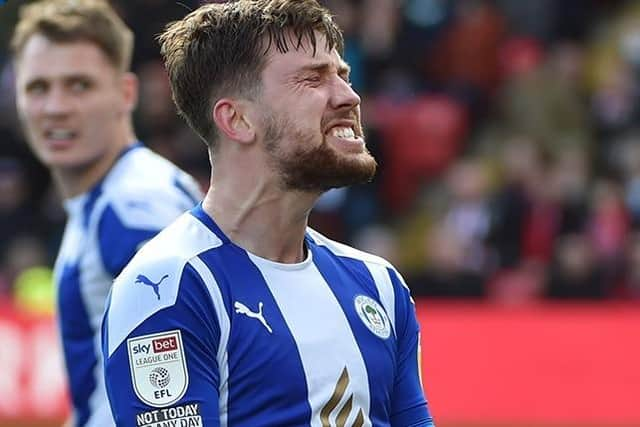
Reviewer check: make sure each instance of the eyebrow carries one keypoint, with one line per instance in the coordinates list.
(65, 78)
(325, 67)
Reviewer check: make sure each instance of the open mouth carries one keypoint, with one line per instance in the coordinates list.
(345, 133)
(59, 134)
(342, 132)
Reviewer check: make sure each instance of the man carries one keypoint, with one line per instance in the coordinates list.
(251, 318)
(75, 99)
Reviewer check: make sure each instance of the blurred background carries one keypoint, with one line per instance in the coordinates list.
(508, 138)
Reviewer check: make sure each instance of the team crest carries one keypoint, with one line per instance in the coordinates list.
(373, 316)
(158, 368)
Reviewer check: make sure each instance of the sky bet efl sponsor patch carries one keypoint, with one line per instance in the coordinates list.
(158, 368)
(179, 416)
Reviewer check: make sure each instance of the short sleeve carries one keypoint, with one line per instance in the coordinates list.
(166, 370)
(409, 406)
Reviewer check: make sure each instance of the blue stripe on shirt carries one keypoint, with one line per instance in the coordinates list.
(267, 364)
(77, 338)
(376, 352)
(117, 242)
(409, 406)
(181, 187)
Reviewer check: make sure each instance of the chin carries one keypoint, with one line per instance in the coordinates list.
(66, 162)
(346, 171)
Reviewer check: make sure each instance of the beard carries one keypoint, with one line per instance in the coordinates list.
(315, 169)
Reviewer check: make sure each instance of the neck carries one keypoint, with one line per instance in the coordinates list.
(72, 182)
(257, 215)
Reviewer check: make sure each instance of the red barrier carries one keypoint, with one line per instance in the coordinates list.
(547, 364)
(32, 383)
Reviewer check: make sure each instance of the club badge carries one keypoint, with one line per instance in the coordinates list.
(373, 316)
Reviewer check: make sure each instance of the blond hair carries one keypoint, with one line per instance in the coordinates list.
(76, 20)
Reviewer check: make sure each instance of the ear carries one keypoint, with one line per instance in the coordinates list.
(231, 117)
(130, 91)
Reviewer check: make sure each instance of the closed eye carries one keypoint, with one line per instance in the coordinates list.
(312, 78)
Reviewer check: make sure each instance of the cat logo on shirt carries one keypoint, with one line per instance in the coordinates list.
(373, 316)
(158, 368)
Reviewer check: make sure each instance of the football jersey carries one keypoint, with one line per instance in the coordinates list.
(200, 332)
(141, 194)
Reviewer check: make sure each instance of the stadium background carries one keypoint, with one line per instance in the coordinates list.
(508, 195)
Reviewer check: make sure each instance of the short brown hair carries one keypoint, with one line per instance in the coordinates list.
(76, 20)
(219, 50)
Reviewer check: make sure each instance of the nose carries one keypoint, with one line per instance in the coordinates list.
(343, 95)
(57, 102)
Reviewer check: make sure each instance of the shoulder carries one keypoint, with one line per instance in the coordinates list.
(390, 287)
(144, 190)
(152, 280)
(141, 170)
(345, 251)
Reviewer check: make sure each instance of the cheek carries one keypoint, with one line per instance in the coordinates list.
(101, 108)
(309, 118)
(311, 105)
(25, 107)
(28, 115)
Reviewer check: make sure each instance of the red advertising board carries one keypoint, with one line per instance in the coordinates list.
(32, 384)
(483, 364)
(549, 364)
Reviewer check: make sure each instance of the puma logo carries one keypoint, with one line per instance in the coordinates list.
(243, 309)
(146, 281)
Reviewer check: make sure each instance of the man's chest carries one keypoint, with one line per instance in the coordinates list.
(309, 339)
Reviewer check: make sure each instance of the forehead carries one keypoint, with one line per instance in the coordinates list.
(45, 58)
(304, 56)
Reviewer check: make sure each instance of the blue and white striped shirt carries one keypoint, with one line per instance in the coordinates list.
(141, 194)
(199, 332)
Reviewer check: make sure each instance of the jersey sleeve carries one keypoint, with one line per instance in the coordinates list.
(408, 407)
(133, 217)
(165, 371)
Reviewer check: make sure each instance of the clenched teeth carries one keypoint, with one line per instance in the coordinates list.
(343, 132)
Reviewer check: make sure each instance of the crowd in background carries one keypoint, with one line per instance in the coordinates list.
(506, 133)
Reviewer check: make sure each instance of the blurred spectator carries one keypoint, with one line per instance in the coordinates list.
(17, 215)
(446, 272)
(22, 252)
(629, 286)
(457, 261)
(378, 240)
(468, 215)
(574, 272)
(510, 206)
(467, 55)
(546, 102)
(608, 227)
(569, 181)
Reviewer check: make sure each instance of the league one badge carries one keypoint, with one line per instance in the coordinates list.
(158, 368)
